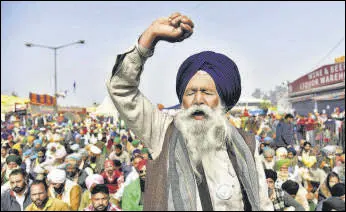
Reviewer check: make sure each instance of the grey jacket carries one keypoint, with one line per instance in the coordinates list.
(9, 202)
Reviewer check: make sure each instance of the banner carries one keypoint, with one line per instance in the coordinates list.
(326, 75)
(45, 109)
(42, 99)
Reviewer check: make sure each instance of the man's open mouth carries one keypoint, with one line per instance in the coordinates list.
(198, 115)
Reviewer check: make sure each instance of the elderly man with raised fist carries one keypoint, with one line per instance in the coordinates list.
(201, 162)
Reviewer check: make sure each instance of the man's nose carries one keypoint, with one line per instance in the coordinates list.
(199, 99)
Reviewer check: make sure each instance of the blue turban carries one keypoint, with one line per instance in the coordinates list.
(37, 141)
(34, 156)
(77, 135)
(136, 151)
(291, 149)
(221, 68)
(4, 136)
(268, 140)
(27, 152)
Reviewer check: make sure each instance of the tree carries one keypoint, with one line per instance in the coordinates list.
(257, 93)
(266, 96)
(278, 93)
(14, 94)
(265, 105)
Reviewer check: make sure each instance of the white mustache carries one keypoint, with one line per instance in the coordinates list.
(199, 108)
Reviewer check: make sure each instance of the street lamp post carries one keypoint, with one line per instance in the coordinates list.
(55, 72)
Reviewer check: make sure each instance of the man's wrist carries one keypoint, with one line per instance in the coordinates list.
(148, 39)
(146, 44)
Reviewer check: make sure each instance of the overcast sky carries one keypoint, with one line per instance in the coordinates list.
(270, 42)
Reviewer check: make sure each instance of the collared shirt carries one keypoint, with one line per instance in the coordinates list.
(223, 183)
(110, 207)
(20, 199)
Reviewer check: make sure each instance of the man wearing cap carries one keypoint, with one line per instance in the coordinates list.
(64, 189)
(281, 167)
(135, 144)
(111, 176)
(73, 172)
(12, 162)
(146, 154)
(37, 145)
(43, 134)
(28, 142)
(94, 163)
(56, 154)
(28, 157)
(268, 158)
(201, 162)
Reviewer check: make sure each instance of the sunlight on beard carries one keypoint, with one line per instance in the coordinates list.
(204, 136)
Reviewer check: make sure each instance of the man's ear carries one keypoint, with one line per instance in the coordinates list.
(26, 179)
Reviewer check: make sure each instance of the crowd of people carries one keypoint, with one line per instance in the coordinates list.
(56, 163)
(303, 158)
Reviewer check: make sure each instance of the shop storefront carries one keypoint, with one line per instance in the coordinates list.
(321, 90)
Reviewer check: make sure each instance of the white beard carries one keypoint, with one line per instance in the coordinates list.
(269, 165)
(203, 137)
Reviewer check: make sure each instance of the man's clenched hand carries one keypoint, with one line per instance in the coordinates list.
(175, 28)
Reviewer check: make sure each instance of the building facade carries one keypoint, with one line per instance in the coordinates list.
(321, 90)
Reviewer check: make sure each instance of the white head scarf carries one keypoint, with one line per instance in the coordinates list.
(94, 178)
(94, 149)
(57, 176)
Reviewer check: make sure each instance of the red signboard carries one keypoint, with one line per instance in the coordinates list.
(325, 75)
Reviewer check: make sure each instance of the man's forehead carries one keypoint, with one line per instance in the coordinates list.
(99, 195)
(37, 188)
(16, 177)
(201, 78)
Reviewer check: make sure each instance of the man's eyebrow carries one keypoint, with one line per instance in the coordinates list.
(200, 88)
(41, 192)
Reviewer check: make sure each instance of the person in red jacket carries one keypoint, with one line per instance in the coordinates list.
(111, 176)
